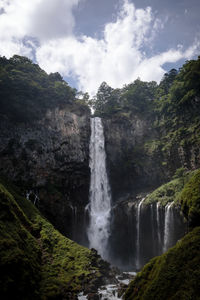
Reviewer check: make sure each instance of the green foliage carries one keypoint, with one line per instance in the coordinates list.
(166, 83)
(179, 173)
(172, 190)
(182, 97)
(26, 91)
(173, 275)
(36, 261)
(19, 252)
(190, 199)
(167, 192)
(135, 97)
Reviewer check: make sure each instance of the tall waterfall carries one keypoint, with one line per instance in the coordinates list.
(167, 226)
(138, 234)
(100, 196)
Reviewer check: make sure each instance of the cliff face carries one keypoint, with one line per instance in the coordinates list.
(123, 137)
(151, 129)
(141, 157)
(49, 159)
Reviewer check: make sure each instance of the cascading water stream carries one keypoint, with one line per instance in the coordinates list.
(100, 196)
(167, 226)
(153, 228)
(158, 223)
(138, 234)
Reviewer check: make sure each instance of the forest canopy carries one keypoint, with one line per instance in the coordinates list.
(26, 91)
(178, 93)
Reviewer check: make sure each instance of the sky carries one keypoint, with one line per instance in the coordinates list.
(91, 41)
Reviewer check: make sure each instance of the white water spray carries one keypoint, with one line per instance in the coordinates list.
(100, 197)
(138, 234)
(167, 226)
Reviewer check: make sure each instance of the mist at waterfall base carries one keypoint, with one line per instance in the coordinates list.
(127, 234)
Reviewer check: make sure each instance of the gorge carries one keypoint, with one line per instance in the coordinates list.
(124, 181)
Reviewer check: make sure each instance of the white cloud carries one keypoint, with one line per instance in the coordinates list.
(41, 19)
(53, 19)
(118, 58)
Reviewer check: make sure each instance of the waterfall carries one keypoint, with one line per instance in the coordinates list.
(138, 234)
(158, 224)
(167, 226)
(100, 197)
(153, 229)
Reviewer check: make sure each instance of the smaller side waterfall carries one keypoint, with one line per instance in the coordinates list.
(138, 213)
(153, 229)
(168, 220)
(100, 196)
(141, 231)
(158, 224)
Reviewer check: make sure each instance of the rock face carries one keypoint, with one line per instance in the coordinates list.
(49, 158)
(124, 138)
(138, 156)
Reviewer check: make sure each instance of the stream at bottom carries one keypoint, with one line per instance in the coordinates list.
(111, 291)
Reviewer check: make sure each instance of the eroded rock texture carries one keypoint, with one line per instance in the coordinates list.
(49, 158)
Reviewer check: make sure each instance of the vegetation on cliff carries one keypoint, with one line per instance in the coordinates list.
(189, 199)
(177, 95)
(26, 91)
(36, 261)
(158, 127)
(173, 190)
(44, 144)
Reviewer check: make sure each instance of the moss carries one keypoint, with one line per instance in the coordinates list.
(37, 262)
(172, 190)
(19, 251)
(189, 199)
(166, 193)
(174, 275)
(152, 147)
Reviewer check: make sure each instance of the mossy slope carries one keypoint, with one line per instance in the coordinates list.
(36, 261)
(190, 199)
(172, 190)
(175, 274)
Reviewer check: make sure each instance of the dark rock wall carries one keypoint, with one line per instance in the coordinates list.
(124, 237)
(140, 157)
(50, 158)
(129, 169)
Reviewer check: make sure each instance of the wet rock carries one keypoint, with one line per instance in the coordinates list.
(93, 296)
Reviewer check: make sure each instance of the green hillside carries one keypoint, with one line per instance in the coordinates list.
(36, 261)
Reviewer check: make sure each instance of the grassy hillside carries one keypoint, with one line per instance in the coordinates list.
(36, 261)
